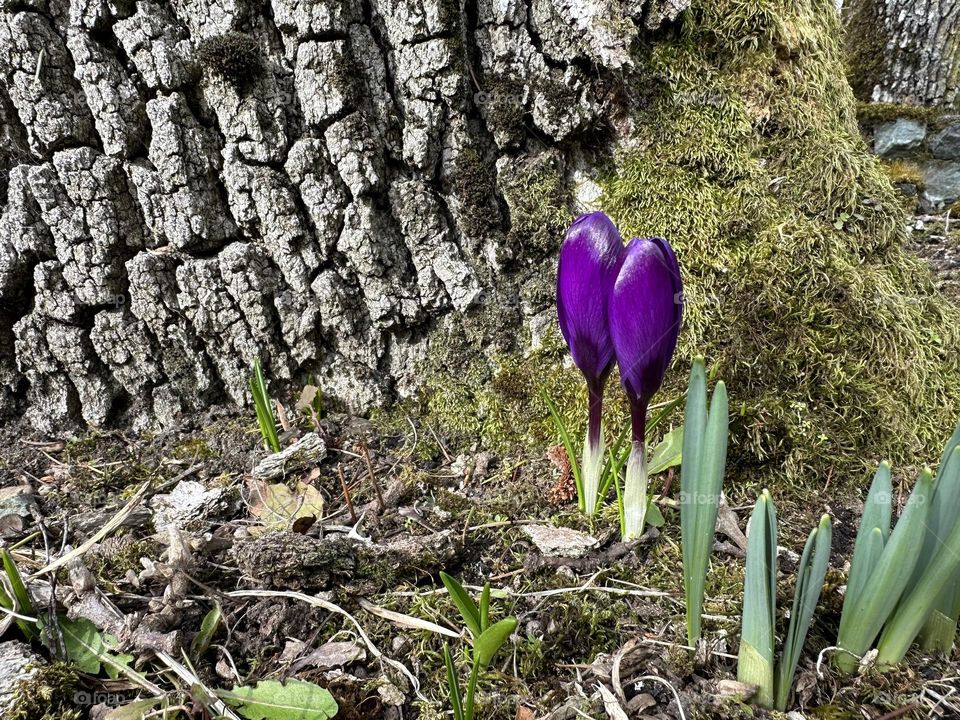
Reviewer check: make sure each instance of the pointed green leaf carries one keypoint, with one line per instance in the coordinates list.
(871, 537)
(208, 628)
(271, 700)
(465, 604)
(885, 586)
(755, 658)
(20, 595)
(452, 684)
(810, 576)
(654, 516)
(668, 453)
(915, 608)
(485, 607)
(493, 637)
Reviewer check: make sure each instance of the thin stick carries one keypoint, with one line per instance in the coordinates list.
(346, 494)
(115, 522)
(331, 607)
(373, 478)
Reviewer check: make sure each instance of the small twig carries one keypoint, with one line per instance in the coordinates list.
(115, 522)
(331, 607)
(899, 712)
(346, 494)
(373, 478)
(657, 678)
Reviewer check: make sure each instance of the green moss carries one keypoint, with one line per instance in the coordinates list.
(538, 200)
(872, 114)
(47, 695)
(866, 45)
(832, 341)
(235, 56)
(904, 171)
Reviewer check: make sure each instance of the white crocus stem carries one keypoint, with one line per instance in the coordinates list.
(592, 469)
(635, 492)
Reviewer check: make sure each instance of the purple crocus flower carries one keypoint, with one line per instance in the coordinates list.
(645, 310)
(590, 259)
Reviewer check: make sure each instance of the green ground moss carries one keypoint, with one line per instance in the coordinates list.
(872, 114)
(836, 348)
(904, 171)
(47, 695)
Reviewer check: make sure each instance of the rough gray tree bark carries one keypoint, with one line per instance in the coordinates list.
(904, 51)
(326, 184)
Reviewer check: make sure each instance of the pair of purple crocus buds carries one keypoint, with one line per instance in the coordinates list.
(623, 302)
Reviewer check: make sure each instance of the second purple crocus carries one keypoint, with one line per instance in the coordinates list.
(645, 309)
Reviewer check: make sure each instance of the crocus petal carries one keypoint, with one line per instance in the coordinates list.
(589, 261)
(646, 306)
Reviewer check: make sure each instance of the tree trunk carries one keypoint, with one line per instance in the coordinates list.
(190, 185)
(904, 51)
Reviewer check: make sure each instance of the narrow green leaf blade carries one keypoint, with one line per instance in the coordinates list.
(694, 564)
(465, 604)
(755, 657)
(868, 547)
(452, 684)
(810, 576)
(485, 607)
(915, 608)
(208, 628)
(20, 594)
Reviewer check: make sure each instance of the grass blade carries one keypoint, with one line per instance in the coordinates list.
(21, 598)
(567, 445)
(810, 576)
(261, 403)
(452, 684)
(485, 607)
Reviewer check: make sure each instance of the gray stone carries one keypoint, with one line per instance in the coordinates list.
(945, 145)
(898, 137)
(941, 181)
(308, 450)
(17, 663)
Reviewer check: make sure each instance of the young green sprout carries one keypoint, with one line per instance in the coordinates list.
(701, 482)
(262, 405)
(882, 566)
(756, 659)
(487, 639)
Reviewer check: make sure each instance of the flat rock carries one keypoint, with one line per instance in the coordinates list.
(559, 541)
(898, 137)
(306, 451)
(17, 662)
(941, 181)
(186, 502)
(945, 145)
